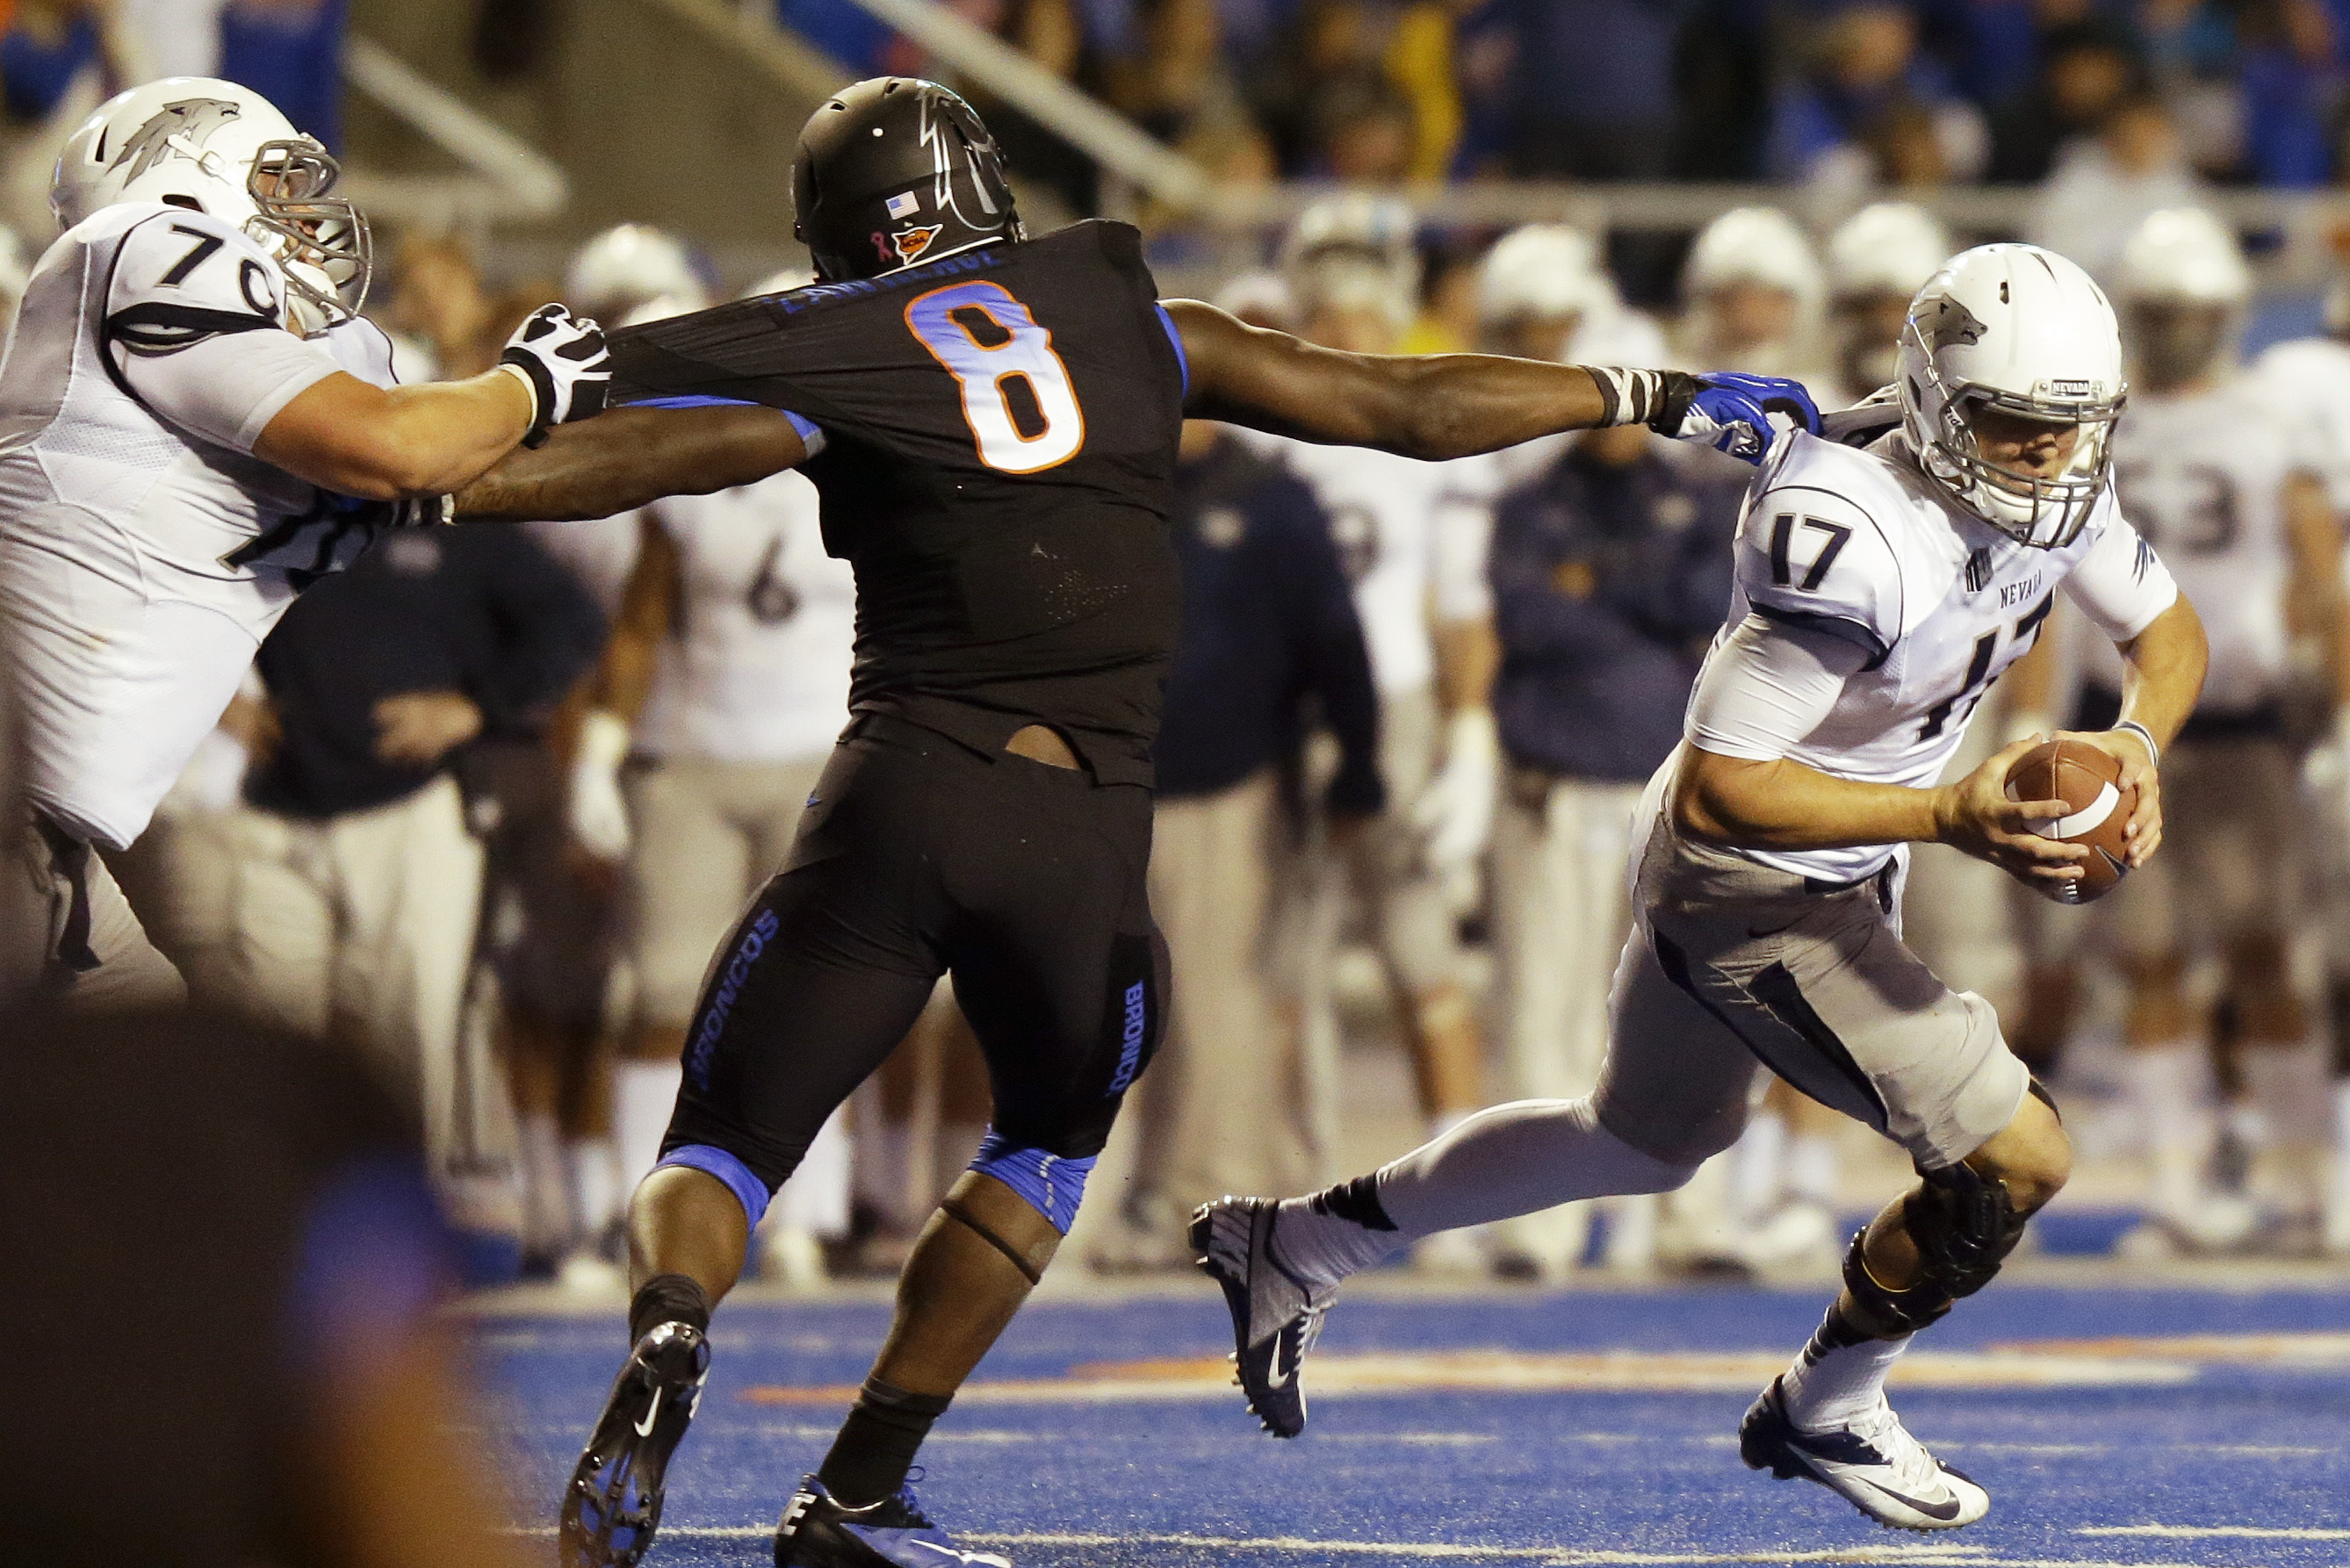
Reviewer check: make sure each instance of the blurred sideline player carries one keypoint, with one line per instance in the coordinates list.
(2218, 474)
(723, 687)
(2313, 374)
(993, 424)
(1751, 292)
(1354, 271)
(556, 927)
(1880, 591)
(195, 426)
(1786, 1183)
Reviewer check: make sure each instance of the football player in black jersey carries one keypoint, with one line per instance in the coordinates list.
(992, 422)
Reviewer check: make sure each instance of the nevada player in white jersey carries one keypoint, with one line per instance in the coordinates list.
(193, 427)
(1880, 591)
(2223, 478)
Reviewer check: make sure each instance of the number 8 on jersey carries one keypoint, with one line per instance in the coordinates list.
(1017, 397)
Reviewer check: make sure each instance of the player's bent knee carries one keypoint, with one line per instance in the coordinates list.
(1643, 1162)
(1051, 1184)
(750, 1189)
(2031, 1155)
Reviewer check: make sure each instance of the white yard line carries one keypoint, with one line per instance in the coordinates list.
(1924, 1555)
(2214, 1532)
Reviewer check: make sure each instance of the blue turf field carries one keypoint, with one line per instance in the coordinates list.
(2113, 1426)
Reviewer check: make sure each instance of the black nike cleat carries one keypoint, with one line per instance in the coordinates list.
(818, 1531)
(614, 1502)
(1872, 1463)
(1276, 1316)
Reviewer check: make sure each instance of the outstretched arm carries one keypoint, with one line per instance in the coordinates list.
(628, 457)
(1439, 406)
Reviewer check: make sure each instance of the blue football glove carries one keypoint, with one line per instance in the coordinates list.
(1730, 412)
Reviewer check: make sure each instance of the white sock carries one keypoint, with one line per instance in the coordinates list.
(1813, 1168)
(1758, 1164)
(1509, 1160)
(2293, 1086)
(644, 1093)
(1832, 1383)
(547, 1209)
(596, 1193)
(2169, 1090)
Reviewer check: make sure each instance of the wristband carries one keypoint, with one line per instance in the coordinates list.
(2153, 752)
(530, 383)
(1637, 397)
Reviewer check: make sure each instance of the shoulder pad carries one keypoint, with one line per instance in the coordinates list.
(180, 278)
(1862, 423)
(1814, 557)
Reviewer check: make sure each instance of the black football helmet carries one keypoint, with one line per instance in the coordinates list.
(894, 172)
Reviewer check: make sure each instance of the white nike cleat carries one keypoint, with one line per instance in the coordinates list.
(1873, 1463)
(1276, 1316)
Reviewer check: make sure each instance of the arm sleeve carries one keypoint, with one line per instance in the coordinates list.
(1766, 686)
(194, 330)
(1814, 560)
(2121, 584)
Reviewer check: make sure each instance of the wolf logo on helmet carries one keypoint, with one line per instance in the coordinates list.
(194, 118)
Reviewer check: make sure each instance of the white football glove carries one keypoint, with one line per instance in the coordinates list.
(594, 809)
(563, 360)
(1455, 812)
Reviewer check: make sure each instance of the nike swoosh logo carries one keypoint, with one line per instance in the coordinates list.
(1930, 1510)
(947, 1551)
(652, 1414)
(1273, 1373)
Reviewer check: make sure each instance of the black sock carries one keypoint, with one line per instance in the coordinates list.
(668, 1298)
(877, 1444)
(1357, 1201)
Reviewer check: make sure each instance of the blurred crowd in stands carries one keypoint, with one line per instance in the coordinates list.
(1877, 93)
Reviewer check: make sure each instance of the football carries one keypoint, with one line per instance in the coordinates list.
(2097, 806)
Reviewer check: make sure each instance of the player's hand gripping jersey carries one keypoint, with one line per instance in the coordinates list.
(1921, 605)
(997, 436)
(144, 551)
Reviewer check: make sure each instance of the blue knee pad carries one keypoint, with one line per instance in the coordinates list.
(740, 1178)
(1049, 1184)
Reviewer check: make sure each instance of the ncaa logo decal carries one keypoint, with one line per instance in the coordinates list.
(912, 243)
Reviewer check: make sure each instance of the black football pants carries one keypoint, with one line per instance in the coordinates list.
(919, 856)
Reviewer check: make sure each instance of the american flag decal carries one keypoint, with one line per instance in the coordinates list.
(904, 204)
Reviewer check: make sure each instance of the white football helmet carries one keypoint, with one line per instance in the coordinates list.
(630, 266)
(1886, 247)
(1542, 271)
(1754, 244)
(226, 151)
(2183, 255)
(2021, 330)
(1355, 251)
